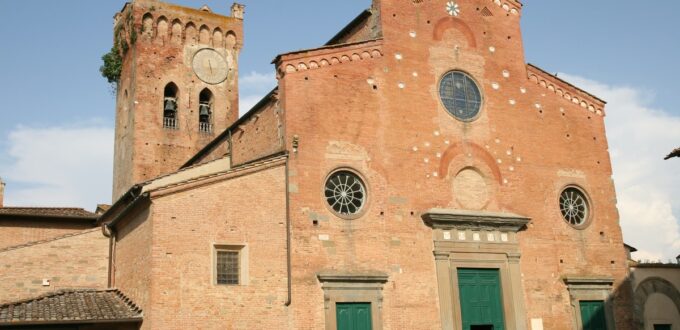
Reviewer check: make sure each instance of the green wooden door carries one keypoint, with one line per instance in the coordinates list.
(480, 299)
(353, 316)
(592, 315)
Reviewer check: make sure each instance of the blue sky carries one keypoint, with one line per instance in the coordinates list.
(57, 111)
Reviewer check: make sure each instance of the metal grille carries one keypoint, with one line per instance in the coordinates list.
(460, 95)
(574, 206)
(227, 267)
(345, 193)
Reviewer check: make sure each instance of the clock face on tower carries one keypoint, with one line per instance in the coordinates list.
(210, 66)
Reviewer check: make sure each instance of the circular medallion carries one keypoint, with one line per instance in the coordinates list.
(210, 66)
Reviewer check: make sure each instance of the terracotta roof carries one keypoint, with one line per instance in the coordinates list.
(674, 153)
(71, 306)
(49, 212)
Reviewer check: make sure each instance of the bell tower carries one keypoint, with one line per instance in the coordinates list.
(178, 85)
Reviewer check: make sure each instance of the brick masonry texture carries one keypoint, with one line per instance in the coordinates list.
(175, 240)
(21, 231)
(371, 106)
(163, 53)
(383, 118)
(75, 261)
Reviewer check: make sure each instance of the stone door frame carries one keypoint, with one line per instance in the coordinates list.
(477, 239)
(590, 289)
(349, 288)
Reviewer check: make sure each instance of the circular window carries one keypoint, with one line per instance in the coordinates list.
(460, 95)
(345, 193)
(574, 206)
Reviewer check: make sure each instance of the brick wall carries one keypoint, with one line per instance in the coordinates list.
(132, 257)
(78, 260)
(381, 116)
(260, 136)
(248, 211)
(176, 289)
(22, 231)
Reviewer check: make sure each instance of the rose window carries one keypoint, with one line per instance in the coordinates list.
(345, 193)
(574, 206)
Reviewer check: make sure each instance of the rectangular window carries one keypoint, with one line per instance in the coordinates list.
(230, 265)
(227, 267)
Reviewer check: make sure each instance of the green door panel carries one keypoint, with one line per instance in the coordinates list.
(353, 316)
(592, 315)
(480, 299)
(344, 316)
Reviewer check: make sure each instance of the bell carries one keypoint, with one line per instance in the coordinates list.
(204, 110)
(170, 107)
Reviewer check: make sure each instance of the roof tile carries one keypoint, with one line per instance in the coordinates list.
(69, 212)
(71, 305)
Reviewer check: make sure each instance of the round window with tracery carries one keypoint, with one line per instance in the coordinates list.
(345, 193)
(574, 206)
(460, 95)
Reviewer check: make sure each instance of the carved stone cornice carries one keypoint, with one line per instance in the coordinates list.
(588, 282)
(359, 277)
(330, 55)
(465, 219)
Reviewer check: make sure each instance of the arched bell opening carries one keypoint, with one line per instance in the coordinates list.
(205, 105)
(170, 95)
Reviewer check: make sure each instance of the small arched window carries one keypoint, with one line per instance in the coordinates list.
(170, 106)
(205, 104)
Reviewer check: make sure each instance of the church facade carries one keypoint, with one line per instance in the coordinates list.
(412, 173)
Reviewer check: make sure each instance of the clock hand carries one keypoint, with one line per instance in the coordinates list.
(210, 65)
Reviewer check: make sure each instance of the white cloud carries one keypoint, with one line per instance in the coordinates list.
(59, 166)
(647, 186)
(256, 79)
(253, 87)
(245, 103)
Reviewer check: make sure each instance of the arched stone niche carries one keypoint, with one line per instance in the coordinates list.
(474, 177)
(452, 25)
